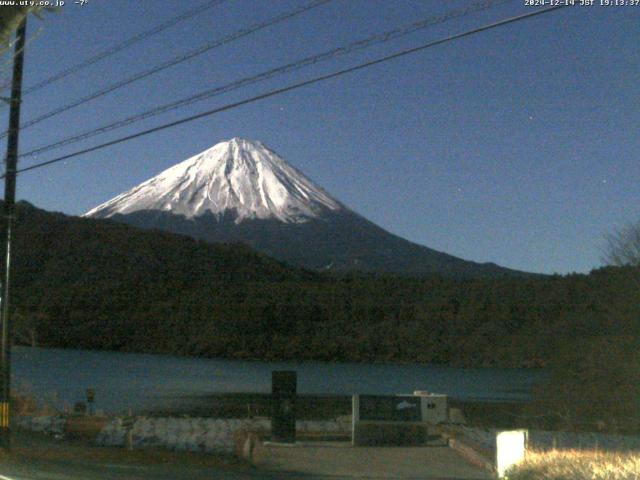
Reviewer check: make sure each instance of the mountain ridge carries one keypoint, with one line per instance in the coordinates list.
(241, 175)
(242, 191)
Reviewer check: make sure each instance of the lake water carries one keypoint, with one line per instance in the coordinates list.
(139, 381)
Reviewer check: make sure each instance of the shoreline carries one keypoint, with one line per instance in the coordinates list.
(250, 359)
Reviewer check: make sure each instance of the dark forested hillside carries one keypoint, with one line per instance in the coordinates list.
(340, 241)
(88, 283)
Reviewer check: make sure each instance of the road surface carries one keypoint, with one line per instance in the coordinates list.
(335, 460)
(39, 457)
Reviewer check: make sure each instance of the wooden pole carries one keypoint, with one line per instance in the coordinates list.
(9, 212)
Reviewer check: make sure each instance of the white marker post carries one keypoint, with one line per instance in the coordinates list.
(511, 447)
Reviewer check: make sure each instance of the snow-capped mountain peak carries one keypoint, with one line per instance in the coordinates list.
(240, 176)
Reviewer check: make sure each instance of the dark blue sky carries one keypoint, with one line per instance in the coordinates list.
(520, 145)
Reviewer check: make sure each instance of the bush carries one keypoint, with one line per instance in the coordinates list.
(576, 465)
(594, 384)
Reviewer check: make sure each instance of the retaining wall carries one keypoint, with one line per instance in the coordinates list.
(192, 434)
(198, 434)
(50, 424)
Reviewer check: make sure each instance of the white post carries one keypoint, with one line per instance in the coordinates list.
(355, 417)
(510, 449)
(130, 431)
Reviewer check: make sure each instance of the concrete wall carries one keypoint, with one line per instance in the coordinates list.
(191, 434)
(51, 424)
(199, 434)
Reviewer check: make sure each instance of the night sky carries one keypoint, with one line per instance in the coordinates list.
(519, 145)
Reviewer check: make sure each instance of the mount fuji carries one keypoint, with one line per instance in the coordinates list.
(241, 191)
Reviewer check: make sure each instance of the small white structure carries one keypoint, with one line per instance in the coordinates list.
(396, 419)
(433, 407)
(510, 449)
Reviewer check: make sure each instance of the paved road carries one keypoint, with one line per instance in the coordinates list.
(334, 460)
(73, 471)
(38, 457)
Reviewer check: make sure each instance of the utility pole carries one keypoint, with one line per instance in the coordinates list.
(9, 212)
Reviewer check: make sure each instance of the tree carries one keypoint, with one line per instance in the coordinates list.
(25, 328)
(623, 246)
(10, 18)
(592, 383)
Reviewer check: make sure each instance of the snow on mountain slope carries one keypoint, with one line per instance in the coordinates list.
(238, 175)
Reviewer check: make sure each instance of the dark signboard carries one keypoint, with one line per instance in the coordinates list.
(390, 408)
(283, 406)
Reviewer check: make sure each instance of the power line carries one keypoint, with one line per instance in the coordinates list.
(290, 88)
(175, 61)
(122, 46)
(305, 62)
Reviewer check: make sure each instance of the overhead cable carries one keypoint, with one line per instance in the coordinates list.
(283, 69)
(175, 61)
(289, 88)
(121, 46)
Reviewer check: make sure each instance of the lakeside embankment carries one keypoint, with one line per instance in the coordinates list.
(497, 414)
(210, 423)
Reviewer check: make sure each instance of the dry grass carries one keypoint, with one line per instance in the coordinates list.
(577, 465)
